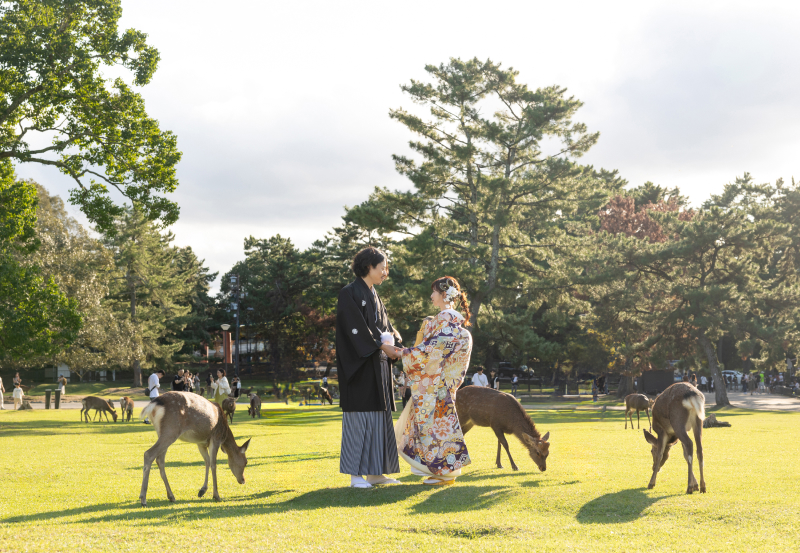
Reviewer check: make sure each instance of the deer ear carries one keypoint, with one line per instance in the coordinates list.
(243, 447)
(546, 437)
(650, 438)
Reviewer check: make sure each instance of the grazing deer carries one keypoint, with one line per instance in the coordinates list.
(479, 406)
(193, 419)
(255, 406)
(229, 407)
(637, 402)
(324, 394)
(680, 408)
(126, 406)
(100, 406)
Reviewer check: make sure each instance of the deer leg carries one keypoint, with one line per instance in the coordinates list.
(501, 437)
(637, 421)
(662, 444)
(626, 419)
(467, 426)
(151, 455)
(648, 420)
(698, 440)
(213, 455)
(204, 452)
(161, 468)
(498, 463)
(688, 454)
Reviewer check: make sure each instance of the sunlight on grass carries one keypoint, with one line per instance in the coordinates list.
(72, 486)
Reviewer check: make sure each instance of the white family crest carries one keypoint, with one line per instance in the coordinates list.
(355, 331)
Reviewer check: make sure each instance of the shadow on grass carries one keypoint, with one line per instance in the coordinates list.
(611, 508)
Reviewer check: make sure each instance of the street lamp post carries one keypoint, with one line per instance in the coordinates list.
(225, 328)
(236, 292)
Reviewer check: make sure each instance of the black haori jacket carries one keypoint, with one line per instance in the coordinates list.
(358, 343)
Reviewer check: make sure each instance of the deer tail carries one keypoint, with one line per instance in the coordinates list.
(696, 403)
(147, 410)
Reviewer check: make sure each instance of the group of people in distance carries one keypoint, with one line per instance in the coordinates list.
(427, 435)
(185, 381)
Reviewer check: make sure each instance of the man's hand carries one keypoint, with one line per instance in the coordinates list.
(391, 351)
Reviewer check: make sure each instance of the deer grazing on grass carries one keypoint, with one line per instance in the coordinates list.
(194, 419)
(255, 406)
(126, 408)
(100, 406)
(229, 407)
(679, 409)
(479, 406)
(637, 402)
(325, 395)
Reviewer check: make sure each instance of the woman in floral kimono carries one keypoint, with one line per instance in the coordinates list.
(428, 433)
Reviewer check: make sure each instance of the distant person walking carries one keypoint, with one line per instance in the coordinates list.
(17, 396)
(62, 385)
(514, 384)
(704, 383)
(2, 391)
(479, 379)
(17, 380)
(196, 383)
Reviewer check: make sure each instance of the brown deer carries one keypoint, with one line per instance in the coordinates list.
(229, 407)
(325, 395)
(680, 408)
(193, 419)
(100, 406)
(637, 402)
(255, 406)
(479, 406)
(126, 406)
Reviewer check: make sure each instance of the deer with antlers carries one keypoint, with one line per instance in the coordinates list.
(194, 419)
(678, 410)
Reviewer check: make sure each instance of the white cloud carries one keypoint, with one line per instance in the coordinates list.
(281, 109)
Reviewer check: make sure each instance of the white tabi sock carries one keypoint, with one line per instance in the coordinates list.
(358, 482)
(376, 479)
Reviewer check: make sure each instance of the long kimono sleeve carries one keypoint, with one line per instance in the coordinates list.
(354, 328)
(425, 357)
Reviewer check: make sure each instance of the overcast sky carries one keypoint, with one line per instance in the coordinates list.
(281, 108)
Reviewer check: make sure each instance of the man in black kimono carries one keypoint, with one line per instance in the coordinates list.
(364, 343)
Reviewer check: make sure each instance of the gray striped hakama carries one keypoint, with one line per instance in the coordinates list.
(369, 445)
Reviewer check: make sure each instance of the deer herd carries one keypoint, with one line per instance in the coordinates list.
(189, 417)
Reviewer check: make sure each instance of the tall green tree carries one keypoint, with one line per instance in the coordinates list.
(52, 54)
(712, 276)
(36, 319)
(148, 289)
(80, 267)
(498, 194)
(200, 318)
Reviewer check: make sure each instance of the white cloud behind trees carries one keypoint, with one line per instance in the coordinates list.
(281, 110)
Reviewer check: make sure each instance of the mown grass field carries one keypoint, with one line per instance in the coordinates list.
(71, 486)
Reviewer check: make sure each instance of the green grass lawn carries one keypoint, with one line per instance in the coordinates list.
(71, 486)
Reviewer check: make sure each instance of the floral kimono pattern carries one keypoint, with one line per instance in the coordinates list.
(435, 368)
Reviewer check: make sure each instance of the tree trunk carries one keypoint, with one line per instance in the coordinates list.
(137, 368)
(137, 374)
(720, 390)
(626, 382)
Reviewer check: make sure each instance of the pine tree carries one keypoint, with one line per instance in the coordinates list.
(148, 289)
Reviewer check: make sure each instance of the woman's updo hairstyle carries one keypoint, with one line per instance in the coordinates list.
(442, 284)
(366, 259)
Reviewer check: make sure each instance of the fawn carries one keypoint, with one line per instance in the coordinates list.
(126, 406)
(255, 406)
(479, 406)
(679, 409)
(229, 407)
(191, 418)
